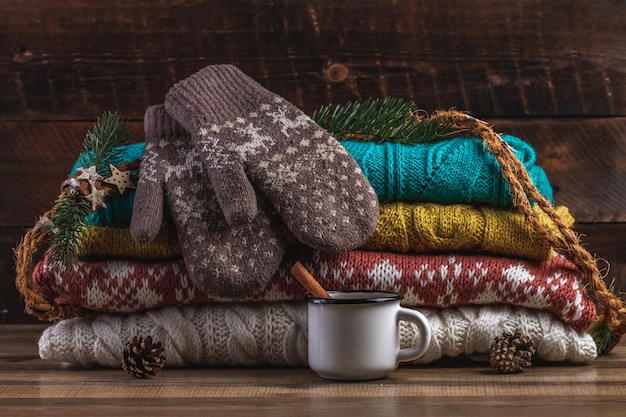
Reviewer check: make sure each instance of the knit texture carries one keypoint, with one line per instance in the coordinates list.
(428, 227)
(222, 259)
(424, 280)
(402, 227)
(276, 334)
(453, 171)
(249, 135)
(116, 242)
(397, 172)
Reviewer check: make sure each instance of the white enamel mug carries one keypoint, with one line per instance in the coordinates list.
(355, 335)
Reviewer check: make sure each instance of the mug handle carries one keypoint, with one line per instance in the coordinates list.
(414, 316)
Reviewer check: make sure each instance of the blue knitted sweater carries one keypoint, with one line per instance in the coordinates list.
(448, 172)
(453, 171)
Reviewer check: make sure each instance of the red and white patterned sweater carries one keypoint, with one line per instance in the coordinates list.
(442, 280)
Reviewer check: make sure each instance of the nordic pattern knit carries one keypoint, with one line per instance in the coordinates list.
(221, 258)
(249, 136)
(429, 227)
(275, 334)
(452, 171)
(424, 280)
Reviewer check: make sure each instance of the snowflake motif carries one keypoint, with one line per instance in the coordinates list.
(385, 274)
(98, 298)
(517, 275)
(280, 176)
(258, 142)
(286, 123)
(145, 297)
(182, 210)
(211, 150)
(149, 164)
(119, 271)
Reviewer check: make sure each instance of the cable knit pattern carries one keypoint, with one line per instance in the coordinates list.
(452, 171)
(428, 227)
(424, 280)
(276, 334)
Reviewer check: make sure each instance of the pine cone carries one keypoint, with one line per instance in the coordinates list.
(142, 358)
(511, 353)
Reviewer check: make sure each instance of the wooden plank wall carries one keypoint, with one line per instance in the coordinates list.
(552, 72)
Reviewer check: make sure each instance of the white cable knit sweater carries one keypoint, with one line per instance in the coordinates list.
(276, 334)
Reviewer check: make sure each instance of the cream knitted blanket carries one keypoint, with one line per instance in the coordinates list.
(239, 334)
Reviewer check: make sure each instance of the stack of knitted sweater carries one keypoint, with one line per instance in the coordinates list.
(447, 239)
(249, 182)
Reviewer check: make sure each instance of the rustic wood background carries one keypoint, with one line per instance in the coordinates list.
(552, 72)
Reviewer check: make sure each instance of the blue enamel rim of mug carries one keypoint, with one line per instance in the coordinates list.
(369, 296)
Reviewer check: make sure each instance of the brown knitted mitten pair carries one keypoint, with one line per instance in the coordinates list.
(263, 156)
(221, 259)
(252, 137)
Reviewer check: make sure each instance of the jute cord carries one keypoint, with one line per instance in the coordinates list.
(611, 308)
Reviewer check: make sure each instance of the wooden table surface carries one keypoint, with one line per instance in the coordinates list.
(30, 386)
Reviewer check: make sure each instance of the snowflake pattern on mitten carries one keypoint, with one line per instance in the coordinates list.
(249, 135)
(222, 259)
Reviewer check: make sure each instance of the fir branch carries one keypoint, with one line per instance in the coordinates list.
(382, 120)
(602, 335)
(109, 132)
(70, 211)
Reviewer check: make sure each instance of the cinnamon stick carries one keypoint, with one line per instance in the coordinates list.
(308, 282)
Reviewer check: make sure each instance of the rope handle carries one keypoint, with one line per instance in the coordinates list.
(612, 312)
(36, 302)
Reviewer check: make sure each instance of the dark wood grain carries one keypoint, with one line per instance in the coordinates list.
(495, 58)
(450, 387)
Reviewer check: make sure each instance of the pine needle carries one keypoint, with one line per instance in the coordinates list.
(382, 120)
(109, 132)
(68, 220)
(601, 334)
(72, 207)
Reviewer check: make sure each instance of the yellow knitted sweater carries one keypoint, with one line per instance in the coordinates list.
(428, 227)
(117, 242)
(402, 227)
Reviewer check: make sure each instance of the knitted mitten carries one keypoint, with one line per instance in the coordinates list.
(221, 259)
(250, 135)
